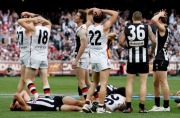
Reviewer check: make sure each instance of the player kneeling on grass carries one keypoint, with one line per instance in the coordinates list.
(23, 102)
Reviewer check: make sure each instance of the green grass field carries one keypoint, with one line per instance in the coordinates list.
(67, 85)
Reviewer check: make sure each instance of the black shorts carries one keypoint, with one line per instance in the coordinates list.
(58, 101)
(135, 68)
(160, 65)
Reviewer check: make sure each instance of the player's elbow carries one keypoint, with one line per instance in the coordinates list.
(154, 21)
(20, 21)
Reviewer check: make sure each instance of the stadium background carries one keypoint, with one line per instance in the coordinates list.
(146, 6)
(67, 85)
(53, 9)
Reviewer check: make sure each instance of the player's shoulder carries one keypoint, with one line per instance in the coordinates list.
(20, 28)
(42, 28)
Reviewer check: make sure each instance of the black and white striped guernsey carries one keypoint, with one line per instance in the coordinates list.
(46, 104)
(161, 46)
(137, 42)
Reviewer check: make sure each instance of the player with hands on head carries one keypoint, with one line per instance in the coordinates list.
(161, 61)
(97, 33)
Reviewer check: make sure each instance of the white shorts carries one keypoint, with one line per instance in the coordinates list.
(84, 65)
(83, 62)
(104, 64)
(24, 59)
(37, 64)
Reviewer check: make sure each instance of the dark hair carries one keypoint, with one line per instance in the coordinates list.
(163, 19)
(16, 109)
(82, 15)
(121, 91)
(137, 15)
(98, 18)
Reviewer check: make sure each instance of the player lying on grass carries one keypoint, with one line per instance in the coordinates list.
(23, 102)
(177, 99)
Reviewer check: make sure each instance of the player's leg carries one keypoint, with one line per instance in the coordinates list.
(142, 92)
(72, 101)
(156, 83)
(70, 108)
(87, 79)
(80, 75)
(95, 80)
(162, 75)
(104, 76)
(157, 88)
(43, 68)
(143, 75)
(21, 83)
(129, 91)
(29, 75)
(94, 84)
(44, 79)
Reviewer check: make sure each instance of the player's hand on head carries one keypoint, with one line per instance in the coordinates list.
(39, 19)
(97, 11)
(24, 13)
(163, 12)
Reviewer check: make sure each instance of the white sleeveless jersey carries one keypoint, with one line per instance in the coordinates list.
(98, 43)
(78, 38)
(23, 40)
(113, 100)
(39, 43)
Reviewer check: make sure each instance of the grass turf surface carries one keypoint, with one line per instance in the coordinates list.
(67, 85)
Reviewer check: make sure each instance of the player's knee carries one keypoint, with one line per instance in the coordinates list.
(75, 102)
(156, 84)
(75, 108)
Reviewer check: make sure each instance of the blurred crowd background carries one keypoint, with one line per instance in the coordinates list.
(62, 40)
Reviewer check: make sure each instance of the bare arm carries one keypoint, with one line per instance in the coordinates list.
(22, 103)
(111, 36)
(155, 21)
(25, 22)
(111, 20)
(25, 96)
(28, 13)
(46, 23)
(152, 38)
(122, 38)
(89, 17)
(83, 38)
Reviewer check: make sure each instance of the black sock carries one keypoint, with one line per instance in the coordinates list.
(157, 101)
(128, 104)
(166, 104)
(141, 106)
